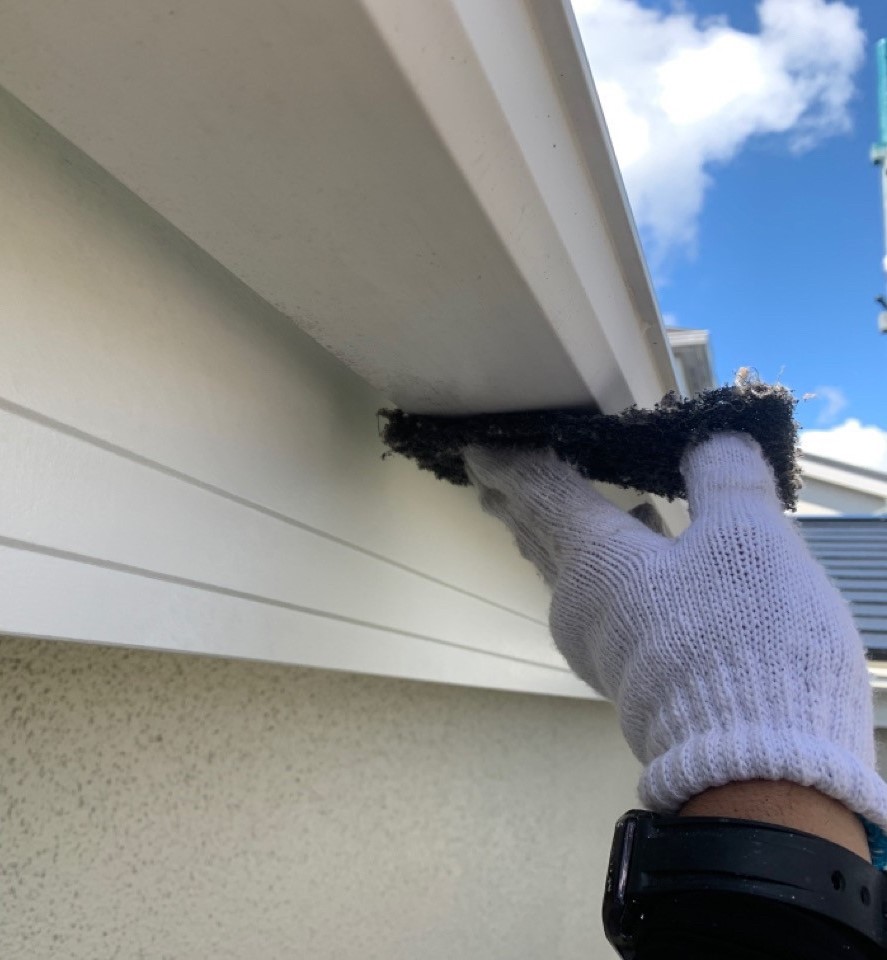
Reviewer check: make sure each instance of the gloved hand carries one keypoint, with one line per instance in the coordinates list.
(728, 652)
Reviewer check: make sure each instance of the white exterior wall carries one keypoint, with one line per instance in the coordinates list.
(169, 806)
(185, 470)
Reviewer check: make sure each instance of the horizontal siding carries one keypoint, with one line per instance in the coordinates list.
(101, 604)
(62, 494)
(854, 552)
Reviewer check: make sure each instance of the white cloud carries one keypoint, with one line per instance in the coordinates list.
(682, 94)
(851, 442)
(835, 402)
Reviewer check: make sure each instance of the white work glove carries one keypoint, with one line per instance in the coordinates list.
(728, 652)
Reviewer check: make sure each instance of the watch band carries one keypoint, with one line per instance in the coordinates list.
(664, 862)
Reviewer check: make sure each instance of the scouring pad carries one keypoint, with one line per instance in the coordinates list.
(636, 448)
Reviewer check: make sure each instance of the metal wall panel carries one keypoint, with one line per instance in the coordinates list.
(854, 552)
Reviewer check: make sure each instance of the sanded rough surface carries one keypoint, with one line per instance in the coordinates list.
(168, 806)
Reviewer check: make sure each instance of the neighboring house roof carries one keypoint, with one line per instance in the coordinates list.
(836, 473)
(854, 552)
(694, 363)
(832, 488)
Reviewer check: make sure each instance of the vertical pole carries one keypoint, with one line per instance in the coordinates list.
(879, 150)
(881, 55)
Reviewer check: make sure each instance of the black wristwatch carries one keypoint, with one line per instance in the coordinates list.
(718, 887)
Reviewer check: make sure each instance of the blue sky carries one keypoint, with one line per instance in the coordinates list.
(757, 205)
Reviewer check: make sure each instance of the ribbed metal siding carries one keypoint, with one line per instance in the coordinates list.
(854, 551)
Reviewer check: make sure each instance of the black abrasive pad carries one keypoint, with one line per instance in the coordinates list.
(636, 448)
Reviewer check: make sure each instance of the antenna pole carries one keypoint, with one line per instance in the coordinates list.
(879, 156)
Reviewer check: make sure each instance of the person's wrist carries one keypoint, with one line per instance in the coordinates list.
(786, 804)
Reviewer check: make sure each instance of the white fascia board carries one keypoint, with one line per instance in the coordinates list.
(543, 119)
(684, 336)
(569, 69)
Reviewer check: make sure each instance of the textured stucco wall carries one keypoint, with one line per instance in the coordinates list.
(168, 806)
